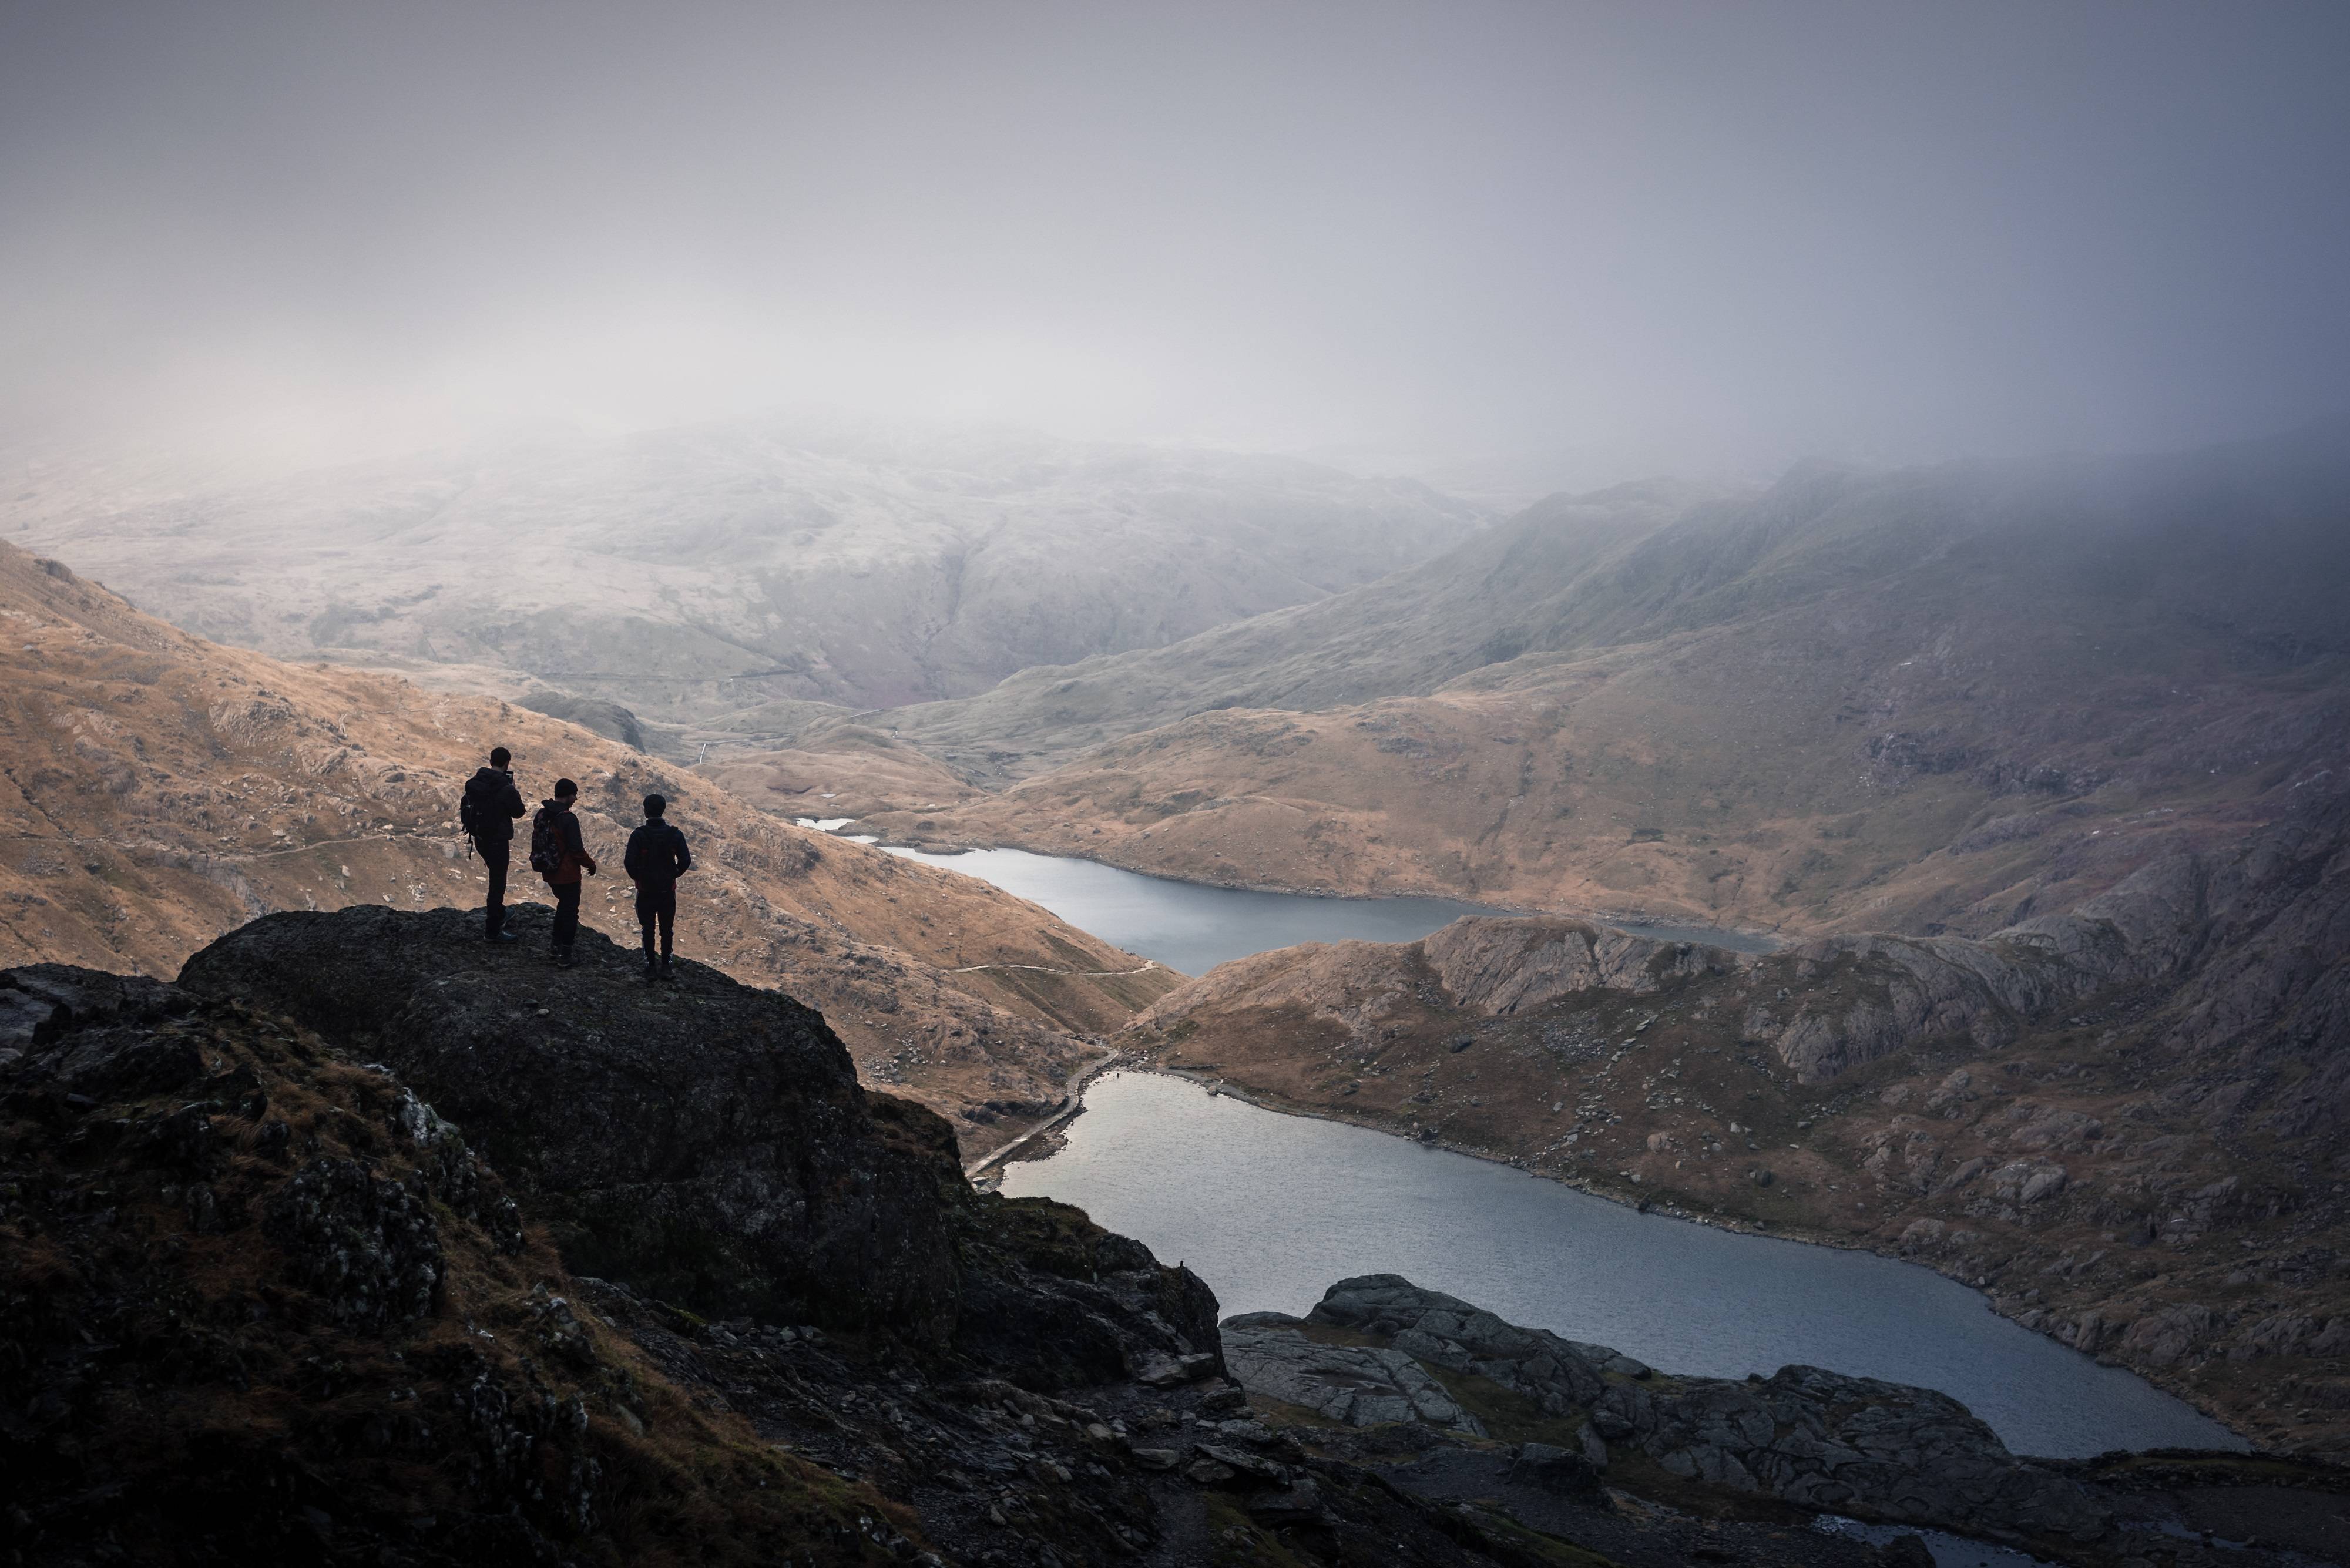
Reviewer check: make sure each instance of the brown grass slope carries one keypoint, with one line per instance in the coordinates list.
(163, 789)
(1932, 700)
(2126, 1123)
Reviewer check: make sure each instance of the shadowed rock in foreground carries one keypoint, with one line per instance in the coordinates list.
(1412, 1372)
(1818, 1438)
(293, 1269)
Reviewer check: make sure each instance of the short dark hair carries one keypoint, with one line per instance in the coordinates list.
(564, 787)
(655, 804)
(500, 756)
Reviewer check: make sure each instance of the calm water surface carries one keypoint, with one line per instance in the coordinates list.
(1271, 1209)
(1194, 928)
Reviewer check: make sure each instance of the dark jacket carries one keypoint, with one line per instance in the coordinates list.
(566, 826)
(496, 804)
(657, 856)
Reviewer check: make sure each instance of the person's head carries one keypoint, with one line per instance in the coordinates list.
(564, 790)
(500, 756)
(655, 806)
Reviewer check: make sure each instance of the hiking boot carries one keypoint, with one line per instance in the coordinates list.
(501, 936)
(666, 972)
(652, 971)
(563, 958)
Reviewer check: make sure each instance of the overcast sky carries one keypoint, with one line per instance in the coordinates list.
(1621, 238)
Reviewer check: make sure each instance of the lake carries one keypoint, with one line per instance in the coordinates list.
(1271, 1209)
(1192, 928)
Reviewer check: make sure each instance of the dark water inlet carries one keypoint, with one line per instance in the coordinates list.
(1270, 1210)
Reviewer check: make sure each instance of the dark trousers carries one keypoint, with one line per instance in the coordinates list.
(567, 914)
(495, 853)
(657, 906)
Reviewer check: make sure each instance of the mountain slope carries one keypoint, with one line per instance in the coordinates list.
(692, 572)
(1920, 700)
(162, 789)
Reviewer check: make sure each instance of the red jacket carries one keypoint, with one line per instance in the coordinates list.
(576, 857)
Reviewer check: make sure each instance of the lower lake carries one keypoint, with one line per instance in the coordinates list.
(1271, 1209)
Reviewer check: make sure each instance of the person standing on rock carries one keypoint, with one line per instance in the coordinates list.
(488, 812)
(558, 854)
(657, 857)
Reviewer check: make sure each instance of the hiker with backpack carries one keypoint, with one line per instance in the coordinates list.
(657, 857)
(558, 854)
(487, 812)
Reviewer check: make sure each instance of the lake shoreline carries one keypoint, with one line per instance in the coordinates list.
(1277, 1105)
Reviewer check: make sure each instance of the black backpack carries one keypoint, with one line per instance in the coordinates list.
(469, 817)
(546, 842)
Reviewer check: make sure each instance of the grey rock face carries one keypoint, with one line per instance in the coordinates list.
(40, 1001)
(2236, 930)
(1358, 1385)
(1495, 966)
(1558, 1374)
(368, 1247)
(1812, 1438)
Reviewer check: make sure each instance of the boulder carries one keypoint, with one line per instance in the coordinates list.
(1807, 1435)
(1357, 1385)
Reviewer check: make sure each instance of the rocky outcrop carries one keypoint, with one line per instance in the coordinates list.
(1815, 1438)
(1492, 966)
(708, 1143)
(260, 1304)
(256, 1291)
(1360, 1385)
(707, 1140)
(2250, 937)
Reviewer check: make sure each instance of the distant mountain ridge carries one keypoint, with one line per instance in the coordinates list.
(2247, 539)
(1945, 698)
(695, 571)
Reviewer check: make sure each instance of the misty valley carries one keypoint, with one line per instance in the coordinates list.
(1898, 908)
(1026, 785)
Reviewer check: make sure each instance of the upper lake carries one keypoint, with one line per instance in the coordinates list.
(1194, 928)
